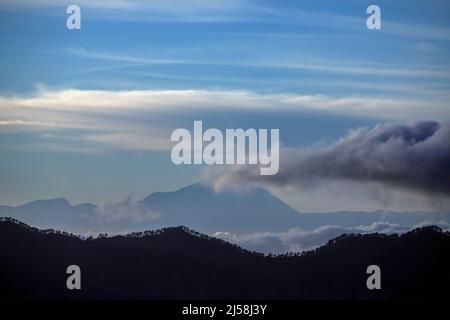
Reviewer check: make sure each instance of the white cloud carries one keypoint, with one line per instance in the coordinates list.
(34, 124)
(90, 102)
(130, 119)
(125, 210)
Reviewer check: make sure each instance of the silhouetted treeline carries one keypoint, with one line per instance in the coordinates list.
(178, 263)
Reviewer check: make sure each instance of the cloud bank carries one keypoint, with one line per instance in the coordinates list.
(413, 157)
(298, 240)
(143, 119)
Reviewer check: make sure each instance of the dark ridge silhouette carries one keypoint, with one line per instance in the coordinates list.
(178, 263)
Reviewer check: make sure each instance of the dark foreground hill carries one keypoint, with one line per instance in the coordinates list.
(177, 263)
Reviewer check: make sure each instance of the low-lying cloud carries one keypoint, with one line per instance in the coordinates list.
(413, 157)
(298, 240)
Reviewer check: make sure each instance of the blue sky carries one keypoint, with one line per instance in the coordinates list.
(87, 114)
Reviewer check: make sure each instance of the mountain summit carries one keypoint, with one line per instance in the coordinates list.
(199, 206)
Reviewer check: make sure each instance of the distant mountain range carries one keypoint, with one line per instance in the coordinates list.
(54, 213)
(178, 263)
(197, 206)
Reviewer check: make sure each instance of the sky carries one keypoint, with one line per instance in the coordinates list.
(87, 114)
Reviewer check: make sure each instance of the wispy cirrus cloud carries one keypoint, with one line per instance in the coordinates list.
(189, 11)
(333, 67)
(229, 11)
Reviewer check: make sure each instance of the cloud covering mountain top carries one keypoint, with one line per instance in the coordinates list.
(414, 157)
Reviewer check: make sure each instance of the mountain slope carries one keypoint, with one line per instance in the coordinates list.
(177, 263)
